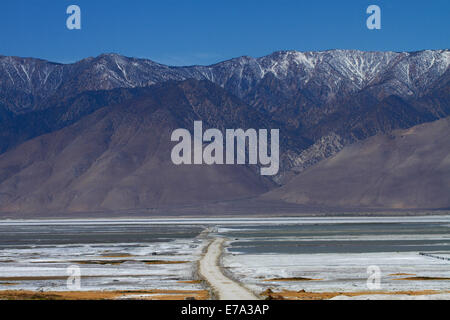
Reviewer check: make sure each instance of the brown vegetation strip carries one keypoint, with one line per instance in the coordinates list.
(103, 295)
(114, 262)
(423, 278)
(292, 279)
(165, 262)
(303, 295)
(33, 278)
(191, 281)
(43, 278)
(117, 255)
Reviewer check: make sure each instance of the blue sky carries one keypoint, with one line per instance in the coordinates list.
(185, 32)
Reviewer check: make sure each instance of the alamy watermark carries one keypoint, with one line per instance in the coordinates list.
(74, 280)
(73, 22)
(374, 20)
(236, 143)
(374, 279)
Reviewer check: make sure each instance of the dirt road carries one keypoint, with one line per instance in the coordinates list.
(223, 287)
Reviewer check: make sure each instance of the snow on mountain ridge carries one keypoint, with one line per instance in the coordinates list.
(332, 73)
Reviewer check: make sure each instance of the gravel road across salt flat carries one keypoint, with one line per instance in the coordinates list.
(224, 287)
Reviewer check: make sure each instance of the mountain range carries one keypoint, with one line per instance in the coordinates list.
(402, 169)
(95, 134)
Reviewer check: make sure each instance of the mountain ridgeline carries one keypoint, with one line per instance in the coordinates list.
(95, 135)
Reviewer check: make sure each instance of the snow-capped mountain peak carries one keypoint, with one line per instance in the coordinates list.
(324, 75)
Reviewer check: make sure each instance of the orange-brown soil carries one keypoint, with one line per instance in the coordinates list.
(117, 255)
(191, 281)
(303, 295)
(423, 278)
(103, 295)
(292, 279)
(116, 262)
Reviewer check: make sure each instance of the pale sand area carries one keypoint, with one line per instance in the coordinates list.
(223, 287)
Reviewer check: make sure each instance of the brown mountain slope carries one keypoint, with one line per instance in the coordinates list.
(405, 169)
(119, 157)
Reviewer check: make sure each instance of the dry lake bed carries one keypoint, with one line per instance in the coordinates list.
(275, 258)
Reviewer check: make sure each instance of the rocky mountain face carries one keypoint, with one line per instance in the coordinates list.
(118, 157)
(320, 101)
(309, 77)
(311, 94)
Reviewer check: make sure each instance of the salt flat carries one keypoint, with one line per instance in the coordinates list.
(338, 272)
(335, 257)
(110, 257)
(230, 221)
(293, 254)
